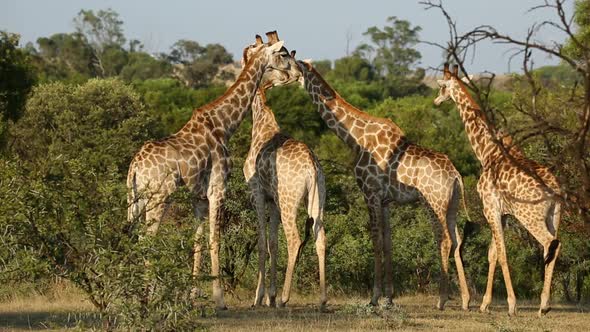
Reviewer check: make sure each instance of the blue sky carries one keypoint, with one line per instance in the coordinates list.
(316, 29)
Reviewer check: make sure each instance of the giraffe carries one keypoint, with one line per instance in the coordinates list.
(507, 188)
(281, 171)
(197, 155)
(390, 169)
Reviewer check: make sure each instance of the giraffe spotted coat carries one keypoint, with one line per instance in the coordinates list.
(510, 184)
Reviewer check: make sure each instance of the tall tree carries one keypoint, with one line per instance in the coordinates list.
(64, 56)
(102, 29)
(104, 33)
(392, 54)
(196, 65)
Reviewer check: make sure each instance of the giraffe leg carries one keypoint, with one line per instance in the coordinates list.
(549, 219)
(262, 248)
(288, 217)
(546, 294)
(273, 248)
(444, 242)
(216, 195)
(315, 207)
(451, 217)
(495, 222)
(200, 211)
(155, 210)
(492, 259)
(387, 259)
(320, 248)
(376, 223)
(457, 242)
(445, 252)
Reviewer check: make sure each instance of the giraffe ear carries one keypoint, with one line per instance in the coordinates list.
(441, 83)
(308, 61)
(277, 46)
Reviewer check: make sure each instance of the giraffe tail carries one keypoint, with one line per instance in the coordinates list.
(554, 225)
(469, 226)
(462, 188)
(133, 201)
(131, 192)
(316, 195)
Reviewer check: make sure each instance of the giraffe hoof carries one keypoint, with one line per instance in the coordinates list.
(484, 310)
(465, 305)
(373, 304)
(282, 304)
(388, 304)
(440, 305)
(543, 311)
(272, 302)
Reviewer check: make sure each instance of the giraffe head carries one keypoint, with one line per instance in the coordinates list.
(280, 68)
(447, 84)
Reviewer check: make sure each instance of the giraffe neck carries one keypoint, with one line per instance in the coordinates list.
(227, 112)
(479, 130)
(355, 128)
(264, 124)
(347, 122)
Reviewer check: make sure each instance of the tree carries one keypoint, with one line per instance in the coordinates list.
(557, 120)
(101, 121)
(392, 52)
(393, 56)
(17, 80)
(196, 65)
(64, 56)
(103, 31)
(63, 202)
(352, 68)
(141, 66)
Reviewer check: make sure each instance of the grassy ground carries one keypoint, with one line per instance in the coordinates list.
(62, 308)
(65, 310)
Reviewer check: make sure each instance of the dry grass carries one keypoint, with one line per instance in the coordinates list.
(411, 313)
(65, 309)
(61, 308)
